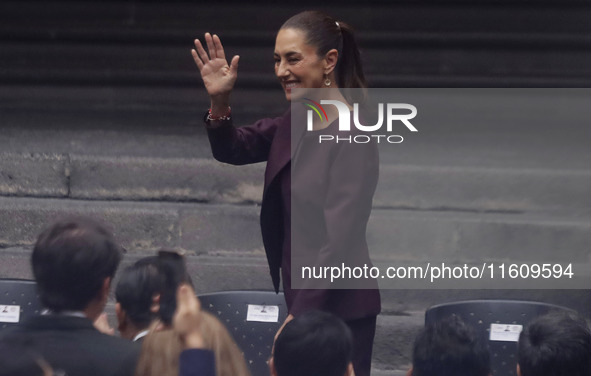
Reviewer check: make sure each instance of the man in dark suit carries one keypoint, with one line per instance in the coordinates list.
(74, 262)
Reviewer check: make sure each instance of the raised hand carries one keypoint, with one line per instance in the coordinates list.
(217, 75)
(187, 318)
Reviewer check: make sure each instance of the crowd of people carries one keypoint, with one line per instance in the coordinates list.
(75, 260)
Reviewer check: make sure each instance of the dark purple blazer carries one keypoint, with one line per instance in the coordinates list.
(270, 140)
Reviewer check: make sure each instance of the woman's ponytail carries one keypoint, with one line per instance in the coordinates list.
(350, 68)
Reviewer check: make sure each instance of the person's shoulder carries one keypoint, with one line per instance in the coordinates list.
(57, 328)
(121, 353)
(12, 332)
(65, 341)
(42, 323)
(116, 343)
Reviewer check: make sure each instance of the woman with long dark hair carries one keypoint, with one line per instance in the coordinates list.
(312, 51)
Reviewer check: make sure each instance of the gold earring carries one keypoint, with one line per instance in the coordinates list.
(327, 82)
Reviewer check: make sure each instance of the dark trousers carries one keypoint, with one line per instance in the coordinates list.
(363, 331)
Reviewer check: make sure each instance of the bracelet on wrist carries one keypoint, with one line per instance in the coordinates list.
(227, 116)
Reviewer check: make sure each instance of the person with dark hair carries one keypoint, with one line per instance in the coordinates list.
(137, 297)
(312, 51)
(326, 35)
(314, 344)
(449, 348)
(556, 344)
(73, 262)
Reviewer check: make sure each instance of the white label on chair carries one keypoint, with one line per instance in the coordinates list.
(505, 332)
(261, 313)
(10, 313)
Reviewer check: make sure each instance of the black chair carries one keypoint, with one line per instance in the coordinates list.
(20, 293)
(254, 338)
(482, 313)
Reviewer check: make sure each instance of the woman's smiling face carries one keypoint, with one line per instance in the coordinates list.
(297, 64)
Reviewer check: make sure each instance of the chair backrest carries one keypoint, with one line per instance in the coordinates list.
(253, 318)
(508, 315)
(18, 301)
